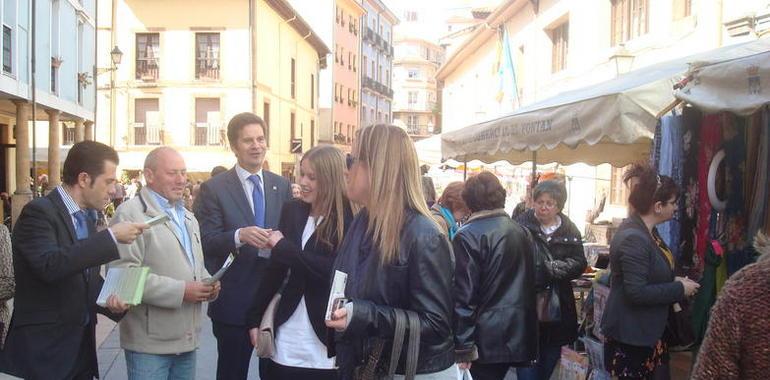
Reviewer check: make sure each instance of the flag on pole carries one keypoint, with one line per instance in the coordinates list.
(508, 91)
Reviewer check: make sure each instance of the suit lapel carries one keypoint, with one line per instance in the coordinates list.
(66, 218)
(239, 195)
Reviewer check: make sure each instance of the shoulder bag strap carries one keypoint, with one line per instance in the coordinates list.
(398, 341)
(413, 350)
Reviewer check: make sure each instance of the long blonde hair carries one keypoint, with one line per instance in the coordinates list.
(328, 163)
(395, 184)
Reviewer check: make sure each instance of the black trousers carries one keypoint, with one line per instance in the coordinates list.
(491, 371)
(84, 366)
(235, 350)
(275, 371)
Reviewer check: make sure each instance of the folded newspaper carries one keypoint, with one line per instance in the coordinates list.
(126, 283)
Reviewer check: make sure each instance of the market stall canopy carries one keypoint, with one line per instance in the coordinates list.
(735, 83)
(611, 122)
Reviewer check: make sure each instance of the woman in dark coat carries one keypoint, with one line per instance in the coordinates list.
(643, 288)
(495, 319)
(396, 260)
(303, 250)
(552, 229)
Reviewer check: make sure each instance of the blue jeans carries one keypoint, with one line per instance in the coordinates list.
(546, 363)
(160, 366)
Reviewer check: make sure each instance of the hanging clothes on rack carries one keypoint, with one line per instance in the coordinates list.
(669, 163)
(711, 138)
(688, 211)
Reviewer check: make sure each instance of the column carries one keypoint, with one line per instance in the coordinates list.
(23, 193)
(54, 146)
(89, 130)
(80, 133)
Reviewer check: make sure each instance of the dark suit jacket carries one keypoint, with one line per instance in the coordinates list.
(311, 271)
(224, 208)
(55, 295)
(642, 287)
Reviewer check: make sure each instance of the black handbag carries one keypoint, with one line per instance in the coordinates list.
(373, 368)
(680, 334)
(548, 304)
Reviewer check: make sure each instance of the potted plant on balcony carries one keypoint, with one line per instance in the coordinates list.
(56, 62)
(84, 79)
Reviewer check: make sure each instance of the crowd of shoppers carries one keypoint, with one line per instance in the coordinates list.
(430, 289)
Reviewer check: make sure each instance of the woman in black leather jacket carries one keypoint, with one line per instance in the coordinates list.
(552, 229)
(495, 319)
(395, 257)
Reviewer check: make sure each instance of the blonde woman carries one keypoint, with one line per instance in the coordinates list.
(395, 257)
(303, 249)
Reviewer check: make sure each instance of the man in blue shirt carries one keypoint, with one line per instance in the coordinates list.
(160, 335)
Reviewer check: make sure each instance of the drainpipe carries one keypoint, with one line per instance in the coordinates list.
(113, 75)
(252, 58)
(33, 59)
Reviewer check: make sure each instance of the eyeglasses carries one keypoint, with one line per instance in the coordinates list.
(546, 204)
(350, 160)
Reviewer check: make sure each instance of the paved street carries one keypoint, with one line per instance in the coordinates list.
(112, 362)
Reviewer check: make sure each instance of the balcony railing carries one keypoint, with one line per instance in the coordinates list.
(206, 69)
(147, 134)
(209, 135)
(147, 69)
(418, 130)
(68, 136)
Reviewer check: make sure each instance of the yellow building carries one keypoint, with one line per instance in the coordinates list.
(182, 78)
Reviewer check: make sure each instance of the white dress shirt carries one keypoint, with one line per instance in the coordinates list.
(300, 346)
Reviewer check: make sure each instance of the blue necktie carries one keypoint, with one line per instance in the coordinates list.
(259, 201)
(81, 225)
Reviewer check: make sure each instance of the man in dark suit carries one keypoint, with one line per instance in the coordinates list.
(237, 210)
(56, 255)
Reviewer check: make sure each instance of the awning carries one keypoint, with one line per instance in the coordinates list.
(740, 85)
(588, 124)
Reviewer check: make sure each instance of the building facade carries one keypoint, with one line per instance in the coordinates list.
(561, 45)
(416, 98)
(338, 24)
(182, 79)
(377, 63)
(64, 92)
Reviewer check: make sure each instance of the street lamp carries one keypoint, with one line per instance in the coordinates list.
(624, 60)
(116, 56)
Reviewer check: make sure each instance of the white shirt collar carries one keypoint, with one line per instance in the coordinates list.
(244, 174)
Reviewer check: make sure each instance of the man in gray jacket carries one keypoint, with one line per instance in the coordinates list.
(161, 334)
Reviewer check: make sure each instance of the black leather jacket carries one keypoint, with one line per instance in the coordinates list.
(569, 262)
(495, 316)
(421, 281)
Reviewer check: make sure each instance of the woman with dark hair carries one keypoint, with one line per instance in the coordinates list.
(642, 284)
(450, 209)
(495, 319)
(553, 231)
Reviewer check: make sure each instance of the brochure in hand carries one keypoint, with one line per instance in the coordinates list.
(221, 272)
(126, 283)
